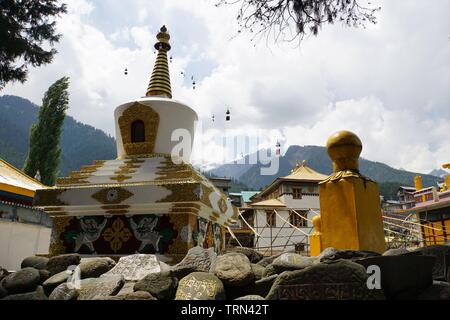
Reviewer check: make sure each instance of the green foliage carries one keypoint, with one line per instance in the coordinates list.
(27, 36)
(389, 189)
(45, 152)
(80, 143)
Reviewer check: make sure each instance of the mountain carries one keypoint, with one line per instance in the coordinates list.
(441, 173)
(317, 158)
(80, 143)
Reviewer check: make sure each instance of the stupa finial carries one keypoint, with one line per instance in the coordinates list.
(160, 80)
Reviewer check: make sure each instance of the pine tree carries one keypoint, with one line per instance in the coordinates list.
(27, 36)
(45, 135)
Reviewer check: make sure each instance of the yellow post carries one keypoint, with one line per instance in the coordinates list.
(349, 202)
(315, 239)
(418, 183)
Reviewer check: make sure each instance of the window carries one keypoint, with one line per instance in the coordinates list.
(137, 131)
(298, 220)
(296, 193)
(271, 219)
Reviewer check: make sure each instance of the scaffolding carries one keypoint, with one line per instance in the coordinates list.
(404, 232)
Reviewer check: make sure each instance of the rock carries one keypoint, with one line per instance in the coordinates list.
(164, 267)
(252, 255)
(138, 295)
(196, 260)
(135, 267)
(103, 286)
(262, 287)
(339, 280)
(442, 262)
(94, 268)
(233, 269)
(36, 262)
(251, 297)
(51, 283)
(268, 260)
(200, 286)
(396, 252)
(404, 276)
(43, 276)
(437, 291)
(64, 292)
(332, 254)
(61, 263)
(38, 294)
(269, 271)
(292, 261)
(258, 271)
(127, 288)
(3, 273)
(23, 281)
(3, 292)
(163, 286)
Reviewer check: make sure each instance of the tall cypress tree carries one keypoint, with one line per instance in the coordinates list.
(45, 135)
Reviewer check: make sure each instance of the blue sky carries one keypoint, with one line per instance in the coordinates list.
(388, 83)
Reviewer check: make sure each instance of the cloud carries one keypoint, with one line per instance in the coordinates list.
(388, 83)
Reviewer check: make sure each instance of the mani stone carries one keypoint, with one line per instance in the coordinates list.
(196, 260)
(38, 294)
(258, 271)
(200, 286)
(61, 263)
(3, 273)
(51, 283)
(233, 269)
(135, 267)
(332, 254)
(268, 260)
(252, 255)
(138, 295)
(251, 297)
(34, 262)
(103, 286)
(397, 252)
(95, 267)
(163, 286)
(23, 281)
(3, 292)
(438, 291)
(292, 261)
(262, 287)
(339, 280)
(442, 263)
(64, 292)
(402, 277)
(43, 276)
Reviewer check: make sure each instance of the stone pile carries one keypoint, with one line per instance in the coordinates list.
(240, 274)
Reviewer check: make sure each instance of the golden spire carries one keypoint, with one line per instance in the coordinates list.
(160, 80)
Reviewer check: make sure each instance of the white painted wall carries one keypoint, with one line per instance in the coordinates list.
(21, 240)
(172, 115)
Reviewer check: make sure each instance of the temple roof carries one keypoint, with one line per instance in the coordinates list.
(304, 173)
(301, 173)
(13, 180)
(269, 203)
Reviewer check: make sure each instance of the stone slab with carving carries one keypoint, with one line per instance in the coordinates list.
(103, 286)
(340, 280)
(200, 286)
(135, 267)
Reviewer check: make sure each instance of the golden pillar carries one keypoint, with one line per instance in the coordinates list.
(315, 239)
(349, 202)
